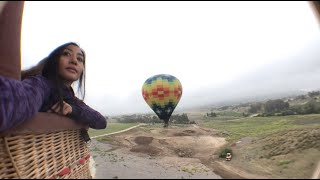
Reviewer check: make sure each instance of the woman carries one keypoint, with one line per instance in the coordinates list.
(63, 67)
(47, 88)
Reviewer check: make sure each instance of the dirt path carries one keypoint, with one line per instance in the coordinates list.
(316, 174)
(125, 130)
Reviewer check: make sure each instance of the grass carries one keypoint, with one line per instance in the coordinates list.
(285, 162)
(112, 127)
(259, 126)
(229, 113)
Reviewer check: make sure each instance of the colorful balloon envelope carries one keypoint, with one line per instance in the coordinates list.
(162, 93)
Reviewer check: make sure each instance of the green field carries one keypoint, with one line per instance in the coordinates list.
(282, 147)
(112, 127)
(235, 129)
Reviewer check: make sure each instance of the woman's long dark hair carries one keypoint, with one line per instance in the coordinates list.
(49, 68)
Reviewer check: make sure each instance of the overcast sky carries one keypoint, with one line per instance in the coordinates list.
(206, 45)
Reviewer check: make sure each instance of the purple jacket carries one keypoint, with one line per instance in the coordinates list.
(80, 111)
(21, 100)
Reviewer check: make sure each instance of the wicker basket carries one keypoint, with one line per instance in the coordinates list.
(48, 146)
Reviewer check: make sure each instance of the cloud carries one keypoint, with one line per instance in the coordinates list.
(220, 51)
(299, 71)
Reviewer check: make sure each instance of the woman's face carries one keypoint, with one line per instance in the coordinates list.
(71, 64)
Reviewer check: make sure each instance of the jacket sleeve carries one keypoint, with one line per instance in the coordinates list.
(21, 100)
(84, 114)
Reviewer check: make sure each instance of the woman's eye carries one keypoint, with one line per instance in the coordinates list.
(66, 53)
(80, 60)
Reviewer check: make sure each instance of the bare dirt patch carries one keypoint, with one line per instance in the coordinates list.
(143, 140)
(176, 152)
(146, 149)
(184, 152)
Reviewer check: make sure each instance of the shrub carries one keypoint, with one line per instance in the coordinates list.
(224, 152)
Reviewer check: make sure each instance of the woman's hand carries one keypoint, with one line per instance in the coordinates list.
(67, 109)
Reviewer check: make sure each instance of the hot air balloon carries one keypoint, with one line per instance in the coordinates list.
(162, 93)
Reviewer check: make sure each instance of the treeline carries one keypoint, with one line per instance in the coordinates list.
(271, 106)
(302, 104)
(175, 119)
(313, 93)
(212, 114)
(280, 108)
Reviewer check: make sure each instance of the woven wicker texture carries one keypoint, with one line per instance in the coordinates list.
(44, 155)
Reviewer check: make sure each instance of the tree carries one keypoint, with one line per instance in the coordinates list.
(277, 105)
(254, 108)
(314, 93)
(211, 114)
(311, 107)
(301, 97)
(180, 119)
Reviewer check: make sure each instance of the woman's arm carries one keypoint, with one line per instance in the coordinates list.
(21, 100)
(84, 114)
